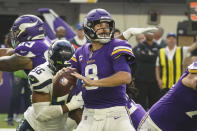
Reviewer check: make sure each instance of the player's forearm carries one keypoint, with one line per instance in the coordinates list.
(135, 31)
(117, 79)
(7, 65)
(76, 115)
(14, 63)
(192, 47)
(6, 51)
(65, 108)
(121, 37)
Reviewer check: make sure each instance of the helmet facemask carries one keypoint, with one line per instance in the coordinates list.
(59, 55)
(13, 37)
(57, 63)
(93, 35)
(63, 61)
(26, 28)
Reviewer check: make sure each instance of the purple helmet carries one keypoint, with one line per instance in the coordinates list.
(94, 17)
(26, 28)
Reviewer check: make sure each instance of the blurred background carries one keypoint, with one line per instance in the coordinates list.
(127, 13)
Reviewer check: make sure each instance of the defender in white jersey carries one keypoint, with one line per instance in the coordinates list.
(46, 113)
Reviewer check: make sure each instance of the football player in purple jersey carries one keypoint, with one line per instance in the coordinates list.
(177, 110)
(29, 43)
(104, 68)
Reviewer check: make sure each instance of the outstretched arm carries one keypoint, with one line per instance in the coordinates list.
(126, 35)
(6, 51)
(14, 63)
(192, 47)
(121, 37)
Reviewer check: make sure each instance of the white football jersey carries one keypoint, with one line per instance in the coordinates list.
(40, 79)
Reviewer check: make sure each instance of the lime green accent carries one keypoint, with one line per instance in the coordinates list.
(21, 74)
(32, 79)
(59, 62)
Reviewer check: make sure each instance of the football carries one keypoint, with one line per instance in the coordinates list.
(64, 83)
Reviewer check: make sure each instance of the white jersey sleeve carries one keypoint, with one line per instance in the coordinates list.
(186, 52)
(40, 79)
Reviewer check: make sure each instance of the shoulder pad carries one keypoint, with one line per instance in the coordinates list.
(40, 79)
(77, 57)
(193, 67)
(121, 47)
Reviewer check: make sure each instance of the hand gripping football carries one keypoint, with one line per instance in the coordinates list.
(64, 83)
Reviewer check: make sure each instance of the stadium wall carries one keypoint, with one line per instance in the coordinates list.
(136, 15)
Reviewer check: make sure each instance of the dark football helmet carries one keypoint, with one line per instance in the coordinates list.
(59, 54)
(26, 28)
(94, 17)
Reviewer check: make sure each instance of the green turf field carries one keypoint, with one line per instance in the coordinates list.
(3, 123)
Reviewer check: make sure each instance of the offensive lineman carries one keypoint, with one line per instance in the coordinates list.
(29, 43)
(177, 110)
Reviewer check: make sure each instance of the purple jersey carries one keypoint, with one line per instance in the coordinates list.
(100, 64)
(76, 90)
(177, 110)
(34, 50)
(137, 113)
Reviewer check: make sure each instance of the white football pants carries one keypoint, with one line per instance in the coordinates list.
(107, 119)
(70, 124)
